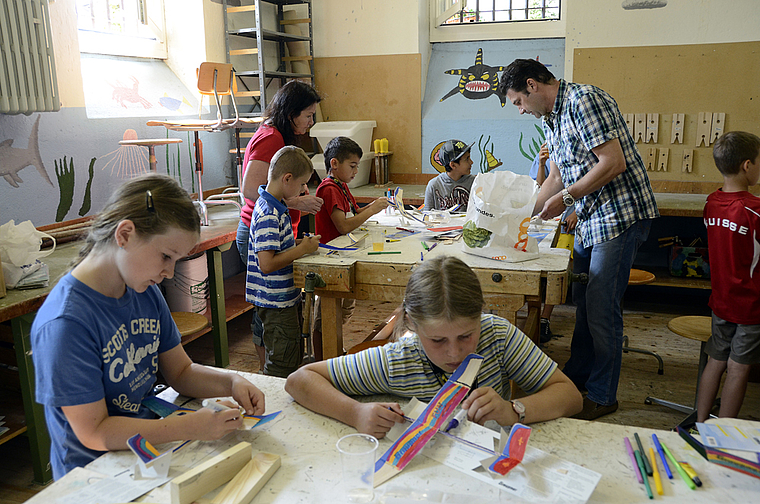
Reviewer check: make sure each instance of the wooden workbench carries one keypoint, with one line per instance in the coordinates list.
(506, 286)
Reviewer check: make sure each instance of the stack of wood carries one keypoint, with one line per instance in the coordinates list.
(68, 231)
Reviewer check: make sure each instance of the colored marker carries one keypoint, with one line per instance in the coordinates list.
(422, 258)
(391, 240)
(655, 471)
(425, 246)
(662, 456)
(643, 453)
(640, 461)
(379, 252)
(433, 246)
(681, 472)
(692, 473)
(633, 459)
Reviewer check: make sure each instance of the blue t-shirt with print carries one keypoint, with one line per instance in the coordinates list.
(88, 347)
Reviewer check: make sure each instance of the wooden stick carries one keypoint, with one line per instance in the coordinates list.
(250, 480)
(207, 476)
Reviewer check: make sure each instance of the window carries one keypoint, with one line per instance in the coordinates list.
(121, 27)
(498, 11)
(462, 20)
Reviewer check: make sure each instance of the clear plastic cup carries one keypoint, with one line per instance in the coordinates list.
(357, 458)
(378, 239)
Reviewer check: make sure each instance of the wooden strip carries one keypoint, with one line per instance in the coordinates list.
(248, 93)
(241, 8)
(250, 480)
(207, 476)
(295, 21)
(296, 58)
(239, 52)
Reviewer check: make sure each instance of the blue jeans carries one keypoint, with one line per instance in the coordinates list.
(596, 350)
(243, 235)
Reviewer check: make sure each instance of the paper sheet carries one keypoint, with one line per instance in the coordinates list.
(110, 490)
(541, 477)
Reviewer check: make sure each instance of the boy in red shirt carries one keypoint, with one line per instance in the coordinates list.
(732, 217)
(340, 214)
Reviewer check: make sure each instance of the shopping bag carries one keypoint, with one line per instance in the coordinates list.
(498, 214)
(20, 253)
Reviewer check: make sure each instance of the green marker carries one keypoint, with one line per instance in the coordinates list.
(384, 252)
(640, 462)
(684, 476)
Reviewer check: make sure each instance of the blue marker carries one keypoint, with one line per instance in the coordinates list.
(662, 456)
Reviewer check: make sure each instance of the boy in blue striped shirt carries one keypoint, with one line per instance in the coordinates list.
(271, 252)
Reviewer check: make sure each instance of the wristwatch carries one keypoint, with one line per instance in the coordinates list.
(567, 198)
(519, 408)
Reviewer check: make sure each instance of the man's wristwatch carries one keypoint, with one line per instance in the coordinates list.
(519, 408)
(567, 198)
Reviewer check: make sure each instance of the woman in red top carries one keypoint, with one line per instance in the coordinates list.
(289, 114)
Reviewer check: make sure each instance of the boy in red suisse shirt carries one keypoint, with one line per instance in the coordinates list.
(732, 217)
(340, 214)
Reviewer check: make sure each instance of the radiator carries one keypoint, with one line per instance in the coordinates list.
(27, 66)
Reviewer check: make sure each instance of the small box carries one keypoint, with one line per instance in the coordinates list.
(690, 262)
(362, 176)
(359, 131)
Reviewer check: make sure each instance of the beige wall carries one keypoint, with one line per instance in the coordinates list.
(604, 23)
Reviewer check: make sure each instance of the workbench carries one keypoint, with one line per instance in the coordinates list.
(20, 306)
(507, 287)
(310, 470)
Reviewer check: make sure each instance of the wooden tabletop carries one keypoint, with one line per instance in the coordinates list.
(151, 141)
(223, 229)
(670, 204)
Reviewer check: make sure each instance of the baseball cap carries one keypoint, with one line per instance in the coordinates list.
(452, 150)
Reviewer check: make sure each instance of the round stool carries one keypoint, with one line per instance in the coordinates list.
(696, 328)
(189, 322)
(641, 277)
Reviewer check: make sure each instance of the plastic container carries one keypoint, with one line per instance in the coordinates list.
(359, 131)
(187, 291)
(362, 176)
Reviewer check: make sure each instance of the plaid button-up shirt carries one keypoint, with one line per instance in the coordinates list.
(585, 117)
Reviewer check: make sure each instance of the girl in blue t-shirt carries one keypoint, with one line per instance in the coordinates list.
(105, 331)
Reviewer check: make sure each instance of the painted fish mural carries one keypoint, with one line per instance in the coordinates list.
(13, 160)
(478, 81)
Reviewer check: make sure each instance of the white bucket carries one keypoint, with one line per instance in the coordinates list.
(187, 291)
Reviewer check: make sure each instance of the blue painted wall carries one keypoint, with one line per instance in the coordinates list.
(120, 95)
(475, 120)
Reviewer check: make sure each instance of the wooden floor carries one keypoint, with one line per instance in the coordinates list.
(646, 313)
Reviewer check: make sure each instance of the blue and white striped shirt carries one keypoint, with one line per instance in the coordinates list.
(270, 230)
(583, 118)
(402, 368)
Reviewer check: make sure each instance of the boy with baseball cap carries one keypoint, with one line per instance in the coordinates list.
(451, 187)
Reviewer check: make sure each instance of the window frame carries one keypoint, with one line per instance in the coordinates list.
(125, 45)
(495, 30)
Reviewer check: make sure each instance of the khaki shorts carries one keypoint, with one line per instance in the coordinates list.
(283, 343)
(740, 343)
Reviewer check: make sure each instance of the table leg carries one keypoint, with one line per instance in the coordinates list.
(533, 321)
(152, 158)
(39, 440)
(332, 327)
(217, 305)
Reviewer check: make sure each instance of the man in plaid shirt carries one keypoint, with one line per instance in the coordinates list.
(596, 168)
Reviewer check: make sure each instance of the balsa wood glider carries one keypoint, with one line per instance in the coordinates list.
(433, 418)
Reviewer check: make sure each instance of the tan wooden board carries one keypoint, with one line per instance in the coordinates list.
(250, 480)
(672, 80)
(209, 475)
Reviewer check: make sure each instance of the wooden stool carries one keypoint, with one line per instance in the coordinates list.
(189, 322)
(641, 277)
(696, 328)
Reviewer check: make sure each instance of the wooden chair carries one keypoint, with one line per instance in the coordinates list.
(641, 277)
(696, 328)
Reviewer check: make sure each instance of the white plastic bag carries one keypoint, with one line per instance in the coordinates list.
(20, 244)
(498, 215)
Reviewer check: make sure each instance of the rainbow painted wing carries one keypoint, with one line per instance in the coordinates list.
(142, 448)
(433, 418)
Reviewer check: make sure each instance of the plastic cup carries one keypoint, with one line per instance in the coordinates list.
(357, 458)
(378, 239)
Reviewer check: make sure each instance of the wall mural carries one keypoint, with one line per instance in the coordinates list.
(478, 81)
(14, 159)
(504, 139)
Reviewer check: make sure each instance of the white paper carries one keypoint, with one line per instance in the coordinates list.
(541, 477)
